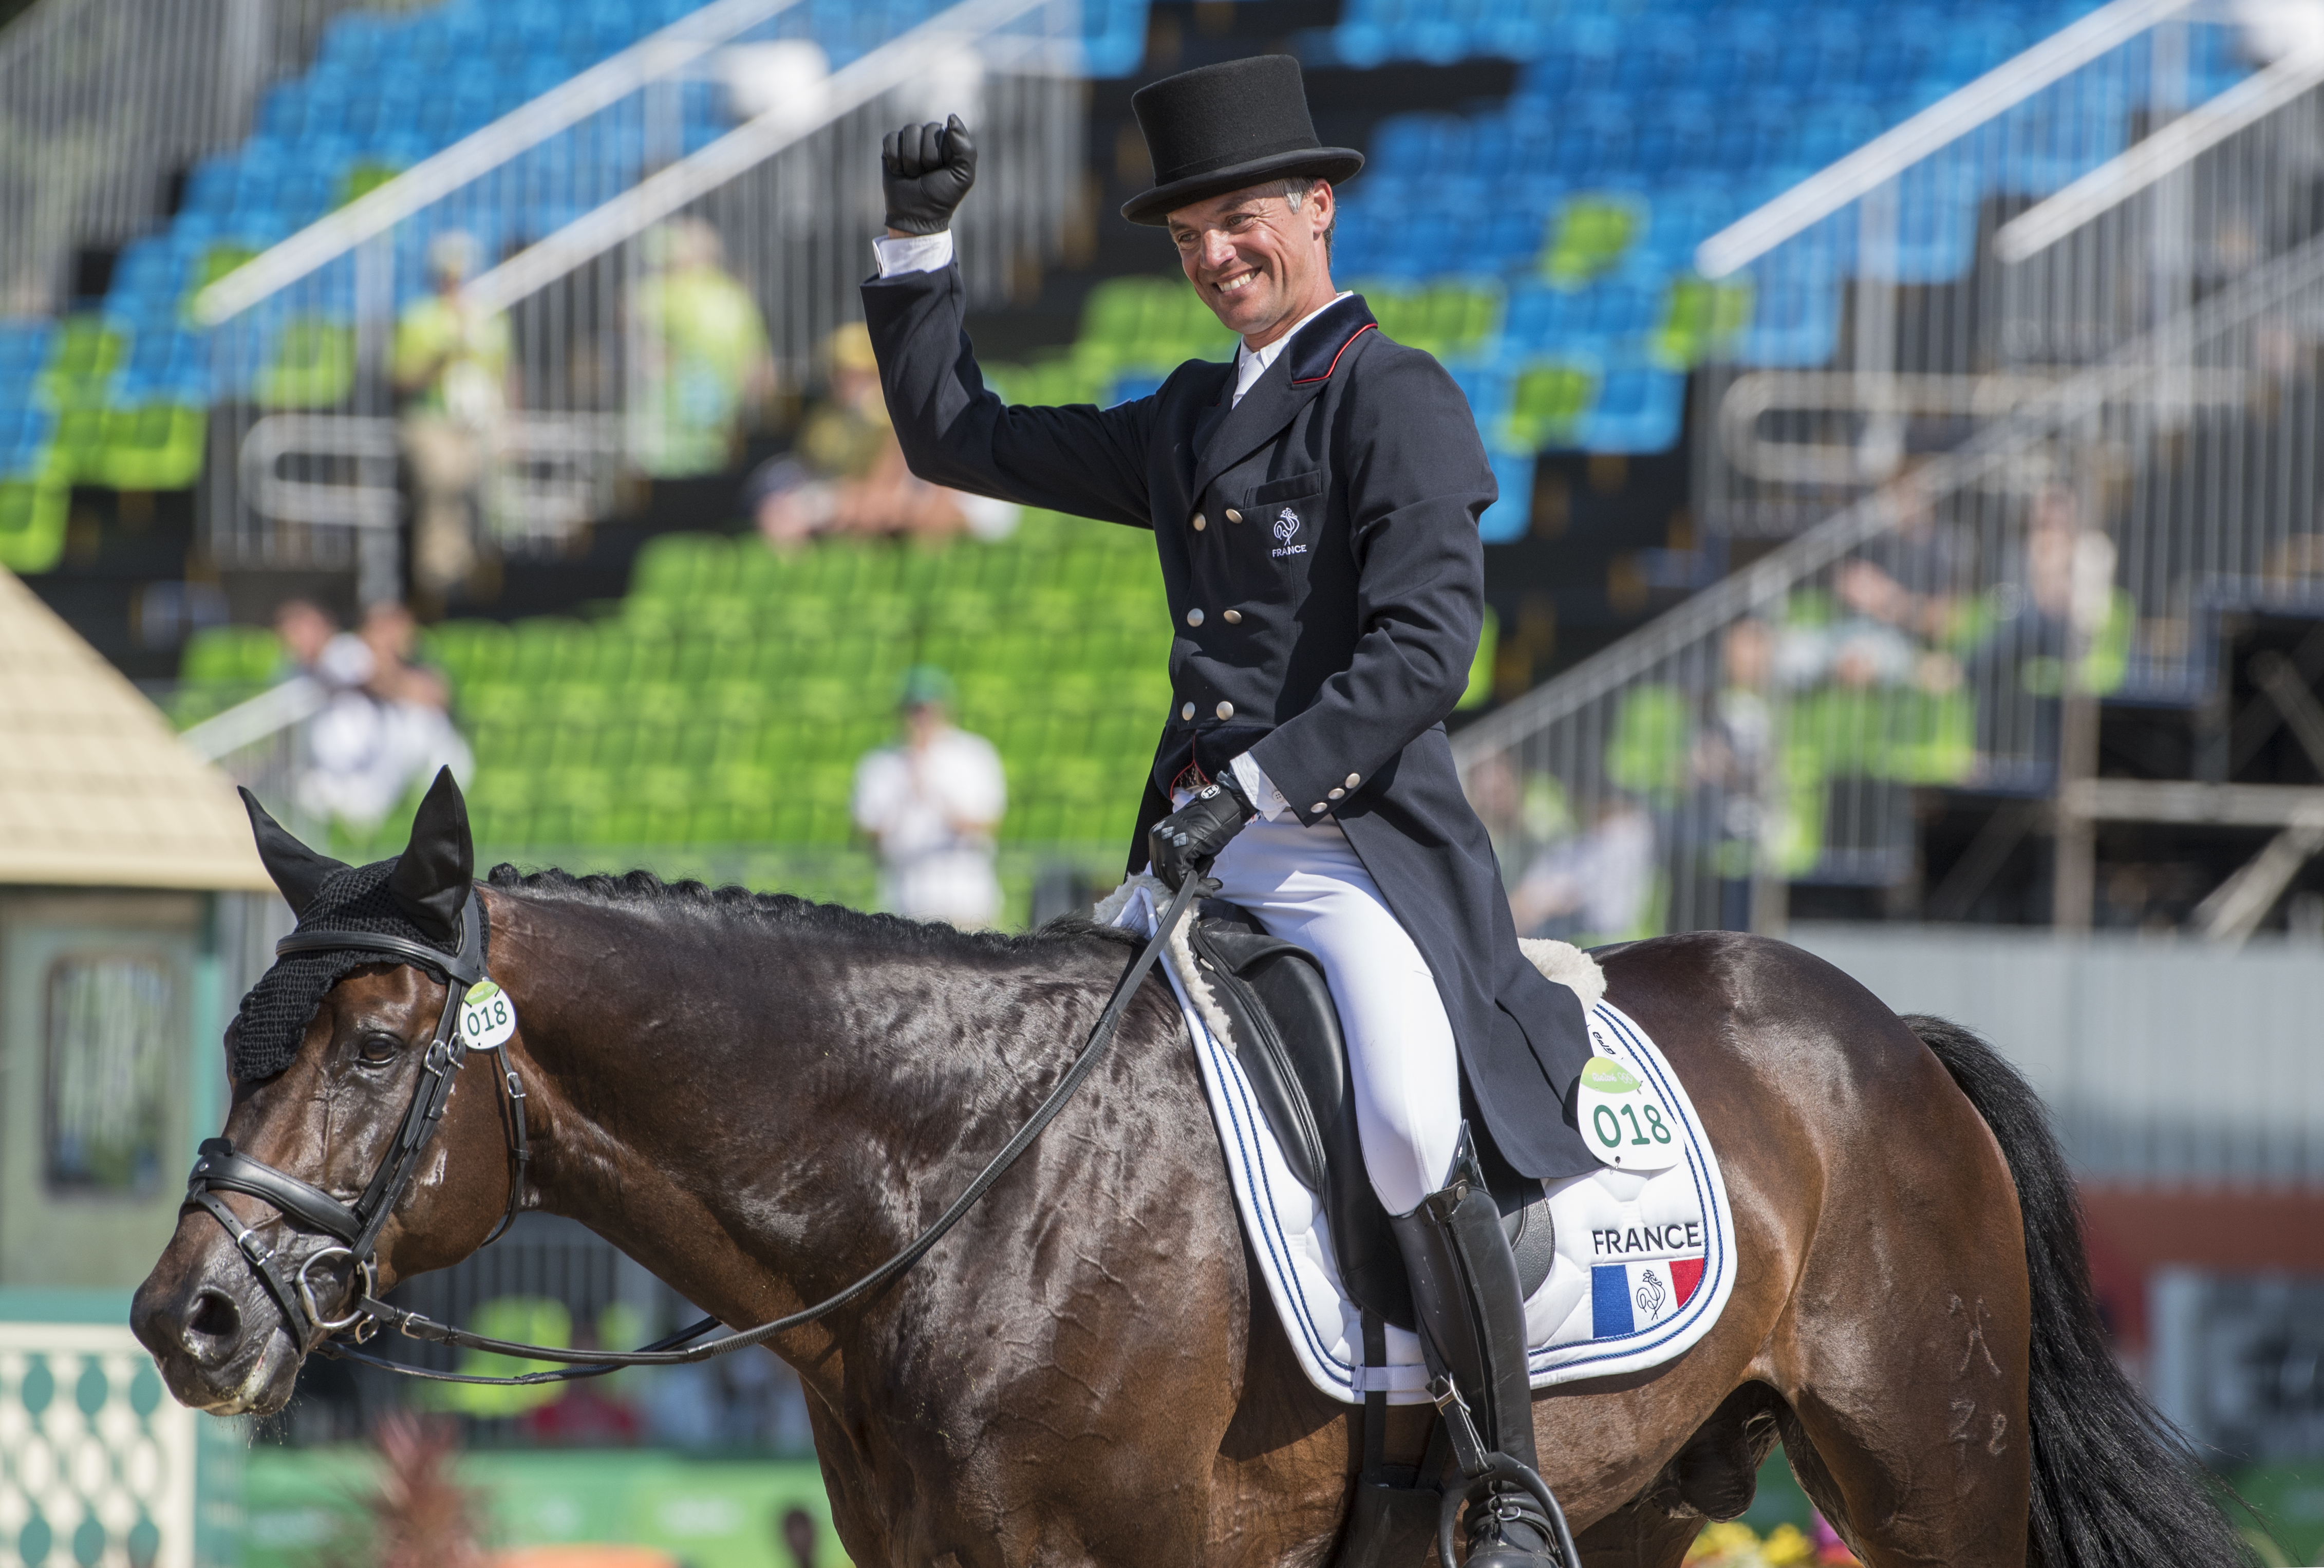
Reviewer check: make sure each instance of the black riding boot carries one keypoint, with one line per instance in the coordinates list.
(1465, 1294)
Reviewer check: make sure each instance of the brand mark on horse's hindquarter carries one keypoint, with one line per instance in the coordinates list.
(1977, 1343)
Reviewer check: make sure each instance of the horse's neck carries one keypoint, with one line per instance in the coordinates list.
(755, 1122)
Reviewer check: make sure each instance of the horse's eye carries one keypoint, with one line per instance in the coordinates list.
(377, 1050)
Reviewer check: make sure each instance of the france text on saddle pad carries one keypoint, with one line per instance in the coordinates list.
(1645, 1260)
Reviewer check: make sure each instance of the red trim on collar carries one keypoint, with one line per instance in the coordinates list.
(1358, 332)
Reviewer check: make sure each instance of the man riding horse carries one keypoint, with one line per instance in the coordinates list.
(1314, 506)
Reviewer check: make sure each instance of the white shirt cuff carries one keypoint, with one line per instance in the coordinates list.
(921, 253)
(1254, 783)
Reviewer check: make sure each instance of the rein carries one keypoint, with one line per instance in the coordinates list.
(358, 1226)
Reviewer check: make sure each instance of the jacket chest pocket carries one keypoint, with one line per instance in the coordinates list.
(1289, 513)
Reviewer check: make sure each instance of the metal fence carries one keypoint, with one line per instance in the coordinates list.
(2164, 1064)
(616, 280)
(102, 104)
(2037, 485)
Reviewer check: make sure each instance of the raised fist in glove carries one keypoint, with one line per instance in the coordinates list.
(1188, 839)
(926, 169)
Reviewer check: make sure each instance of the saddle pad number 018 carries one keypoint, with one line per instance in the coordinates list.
(1645, 1258)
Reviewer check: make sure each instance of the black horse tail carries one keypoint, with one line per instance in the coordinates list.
(2114, 1481)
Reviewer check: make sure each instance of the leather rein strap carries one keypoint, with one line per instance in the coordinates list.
(299, 1201)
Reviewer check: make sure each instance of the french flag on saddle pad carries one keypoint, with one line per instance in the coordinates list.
(1627, 1297)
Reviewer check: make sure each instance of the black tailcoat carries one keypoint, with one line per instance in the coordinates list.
(1319, 546)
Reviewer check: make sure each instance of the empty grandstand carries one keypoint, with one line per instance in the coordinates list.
(1904, 419)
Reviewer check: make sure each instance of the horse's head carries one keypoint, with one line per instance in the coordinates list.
(333, 1049)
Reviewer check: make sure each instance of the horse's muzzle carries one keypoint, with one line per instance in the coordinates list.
(217, 1337)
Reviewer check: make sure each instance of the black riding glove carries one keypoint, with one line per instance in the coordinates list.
(1187, 839)
(926, 169)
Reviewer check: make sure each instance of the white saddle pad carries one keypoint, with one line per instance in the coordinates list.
(1645, 1261)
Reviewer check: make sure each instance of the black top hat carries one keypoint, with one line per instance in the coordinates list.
(1225, 126)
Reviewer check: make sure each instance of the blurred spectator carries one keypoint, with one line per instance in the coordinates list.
(736, 1403)
(1909, 576)
(846, 473)
(386, 727)
(2057, 601)
(305, 630)
(931, 803)
(1521, 820)
(1732, 754)
(1597, 886)
(1899, 606)
(450, 367)
(699, 358)
(797, 1531)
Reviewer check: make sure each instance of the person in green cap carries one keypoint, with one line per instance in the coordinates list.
(930, 802)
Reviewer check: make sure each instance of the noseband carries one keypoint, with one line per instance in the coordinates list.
(356, 1225)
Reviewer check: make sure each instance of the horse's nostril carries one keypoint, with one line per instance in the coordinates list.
(214, 1327)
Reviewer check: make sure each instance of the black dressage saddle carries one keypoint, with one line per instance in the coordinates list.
(1287, 1038)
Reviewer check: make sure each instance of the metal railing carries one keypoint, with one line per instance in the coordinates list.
(1877, 277)
(1953, 629)
(102, 104)
(622, 278)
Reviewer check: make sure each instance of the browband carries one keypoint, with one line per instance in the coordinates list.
(466, 965)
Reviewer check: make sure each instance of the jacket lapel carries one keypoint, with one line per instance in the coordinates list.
(1303, 368)
(1206, 425)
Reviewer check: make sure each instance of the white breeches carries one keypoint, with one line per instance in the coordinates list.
(1306, 885)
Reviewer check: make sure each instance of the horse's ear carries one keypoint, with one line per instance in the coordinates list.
(432, 876)
(298, 871)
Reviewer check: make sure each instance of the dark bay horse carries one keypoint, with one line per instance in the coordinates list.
(760, 1099)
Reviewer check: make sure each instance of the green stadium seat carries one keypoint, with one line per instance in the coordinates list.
(31, 526)
(156, 448)
(313, 367)
(1699, 318)
(1451, 320)
(236, 654)
(548, 649)
(1589, 234)
(1547, 403)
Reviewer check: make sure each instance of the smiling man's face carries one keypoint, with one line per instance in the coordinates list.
(1259, 265)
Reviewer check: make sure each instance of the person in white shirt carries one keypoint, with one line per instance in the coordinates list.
(931, 803)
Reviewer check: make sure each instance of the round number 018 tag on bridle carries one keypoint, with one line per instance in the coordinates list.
(1624, 1121)
(487, 1017)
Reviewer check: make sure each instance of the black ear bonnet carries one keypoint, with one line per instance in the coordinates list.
(277, 1009)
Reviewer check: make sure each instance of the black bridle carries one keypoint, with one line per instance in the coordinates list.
(357, 1225)
(219, 1167)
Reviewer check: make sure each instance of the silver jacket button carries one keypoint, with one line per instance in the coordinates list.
(1194, 616)
(1233, 617)
(1337, 793)
(1317, 807)
(1187, 712)
(1225, 710)
(1199, 523)
(1354, 780)
(1232, 515)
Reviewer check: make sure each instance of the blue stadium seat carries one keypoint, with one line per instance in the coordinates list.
(1794, 320)
(1639, 409)
(1511, 516)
